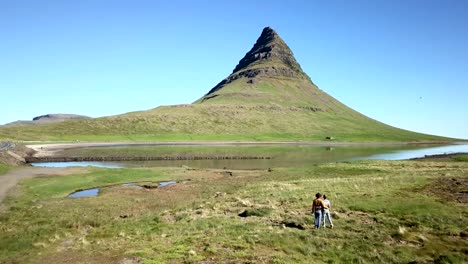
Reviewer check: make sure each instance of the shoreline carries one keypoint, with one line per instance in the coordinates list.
(446, 156)
(49, 149)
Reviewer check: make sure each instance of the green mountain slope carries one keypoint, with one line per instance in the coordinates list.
(267, 97)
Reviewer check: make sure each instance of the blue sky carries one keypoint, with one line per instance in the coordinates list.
(404, 63)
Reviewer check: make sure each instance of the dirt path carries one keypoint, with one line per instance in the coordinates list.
(9, 180)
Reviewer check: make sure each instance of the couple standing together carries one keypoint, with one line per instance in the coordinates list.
(321, 210)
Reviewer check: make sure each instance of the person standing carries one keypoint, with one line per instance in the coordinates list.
(317, 207)
(326, 212)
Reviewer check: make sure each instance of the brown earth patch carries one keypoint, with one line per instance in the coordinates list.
(10, 179)
(450, 189)
(16, 155)
(77, 256)
(440, 157)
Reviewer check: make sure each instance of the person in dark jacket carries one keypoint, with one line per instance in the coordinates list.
(317, 207)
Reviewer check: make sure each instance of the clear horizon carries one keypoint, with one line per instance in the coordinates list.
(403, 63)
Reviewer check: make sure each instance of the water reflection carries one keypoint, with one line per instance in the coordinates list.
(85, 193)
(281, 156)
(102, 164)
(419, 153)
(162, 184)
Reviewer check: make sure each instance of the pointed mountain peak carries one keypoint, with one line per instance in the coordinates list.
(268, 34)
(269, 49)
(270, 63)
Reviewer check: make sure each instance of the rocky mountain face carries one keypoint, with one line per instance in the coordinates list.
(270, 47)
(270, 56)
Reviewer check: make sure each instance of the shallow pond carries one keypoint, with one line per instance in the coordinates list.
(279, 156)
(162, 184)
(95, 191)
(85, 193)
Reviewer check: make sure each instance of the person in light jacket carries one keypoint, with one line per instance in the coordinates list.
(326, 212)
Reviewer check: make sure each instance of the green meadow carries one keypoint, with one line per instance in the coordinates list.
(4, 168)
(384, 212)
(230, 122)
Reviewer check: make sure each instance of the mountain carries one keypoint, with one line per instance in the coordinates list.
(58, 117)
(48, 118)
(262, 76)
(267, 97)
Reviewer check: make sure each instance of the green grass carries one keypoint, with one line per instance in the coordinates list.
(4, 168)
(206, 122)
(461, 157)
(385, 214)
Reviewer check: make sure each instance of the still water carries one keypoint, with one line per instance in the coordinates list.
(85, 193)
(419, 153)
(281, 156)
(95, 191)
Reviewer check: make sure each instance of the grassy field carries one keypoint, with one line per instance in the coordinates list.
(461, 157)
(207, 122)
(4, 168)
(386, 212)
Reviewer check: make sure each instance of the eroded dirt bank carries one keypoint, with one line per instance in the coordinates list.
(10, 179)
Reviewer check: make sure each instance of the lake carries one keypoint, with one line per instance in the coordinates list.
(279, 156)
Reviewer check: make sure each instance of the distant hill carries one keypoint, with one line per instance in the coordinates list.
(44, 119)
(58, 117)
(267, 97)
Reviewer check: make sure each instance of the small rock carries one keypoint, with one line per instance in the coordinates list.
(218, 194)
(244, 203)
(336, 215)
(192, 252)
(129, 261)
(40, 244)
(422, 238)
(84, 241)
(401, 230)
